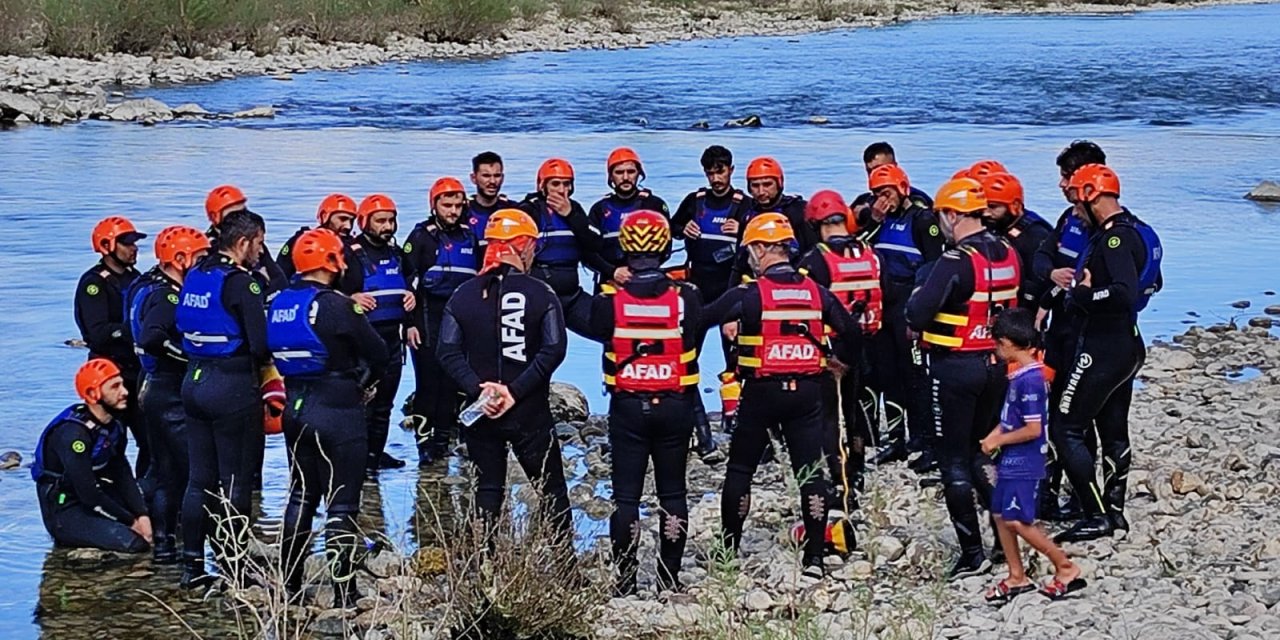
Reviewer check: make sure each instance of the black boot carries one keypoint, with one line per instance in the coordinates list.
(705, 444)
(893, 451)
(923, 463)
(813, 567)
(165, 550)
(970, 563)
(386, 461)
(194, 576)
(1091, 528)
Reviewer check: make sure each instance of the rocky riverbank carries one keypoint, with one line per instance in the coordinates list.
(56, 90)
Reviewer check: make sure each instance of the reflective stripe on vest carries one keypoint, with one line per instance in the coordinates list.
(387, 286)
(1072, 240)
(899, 255)
(791, 331)
(854, 279)
(557, 245)
(713, 245)
(995, 285)
(646, 353)
(208, 329)
(611, 223)
(456, 262)
(291, 333)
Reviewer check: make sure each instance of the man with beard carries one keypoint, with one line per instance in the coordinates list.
(625, 172)
(337, 213)
(487, 175)
(1022, 228)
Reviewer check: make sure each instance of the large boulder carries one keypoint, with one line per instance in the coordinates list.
(144, 109)
(13, 105)
(1266, 191)
(568, 403)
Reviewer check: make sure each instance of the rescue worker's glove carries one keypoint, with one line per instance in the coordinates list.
(273, 396)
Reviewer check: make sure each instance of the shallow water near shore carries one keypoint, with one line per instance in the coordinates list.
(1185, 103)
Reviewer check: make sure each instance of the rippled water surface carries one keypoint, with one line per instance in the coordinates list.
(1187, 104)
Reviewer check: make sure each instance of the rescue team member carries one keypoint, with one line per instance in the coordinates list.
(875, 155)
(850, 270)
(781, 359)
(441, 253)
(650, 326)
(337, 213)
(87, 494)
(565, 234)
(708, 220)
(220, 315)
(953, 310)
(1119, 273)
(153, 301)
(502, 337)
(331, 358)
(1023, 229)
(625, 172)
(906, 236)
(100, 315)
(1020, 442)
(980, 170)
(223, 200)
(1055, 264)
(487, 175)
(765, 182)
(387, 302)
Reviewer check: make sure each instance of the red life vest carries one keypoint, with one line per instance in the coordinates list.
(791, 331)
(646, 353)
(995, 287)
(857, 278)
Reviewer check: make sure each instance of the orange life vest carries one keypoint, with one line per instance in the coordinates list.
(646, 352)
(791, 332)
(857, 278)
(995, 287)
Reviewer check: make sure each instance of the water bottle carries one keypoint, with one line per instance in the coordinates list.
(475, 410)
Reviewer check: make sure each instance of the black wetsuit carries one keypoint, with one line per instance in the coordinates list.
(792, 207)
(100, 316)
(323, 422)
(1026, 235)
(606, 217)
(967, 385)
(369, 252)
(507, 327)
(82, 506)
(650, 425)
(711, 258)
(559, 271)
(352, 280)
(793, 403)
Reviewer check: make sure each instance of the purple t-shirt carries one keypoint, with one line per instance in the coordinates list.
(1026, 400)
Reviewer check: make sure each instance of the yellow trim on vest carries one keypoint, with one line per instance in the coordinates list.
(690, 380)
(952, 319)
(610, 356)
(610, 380)
(941, 340)
(688, 356)
(608, 289)
(750, 341)
(748, 361)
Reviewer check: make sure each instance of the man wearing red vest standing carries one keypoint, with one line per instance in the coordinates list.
(782, 358)
(965, 290)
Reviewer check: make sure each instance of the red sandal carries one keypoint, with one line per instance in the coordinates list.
(1002, 592)
(1055, 589)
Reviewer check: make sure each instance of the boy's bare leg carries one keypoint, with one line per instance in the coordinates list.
(1063, 567)
(1012, 555)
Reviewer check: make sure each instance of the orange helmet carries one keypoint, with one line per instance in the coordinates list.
(824, 205)
(768, 228)
(177, 241)
(980, 170)
(219, 199)
(509, 224)
(445, 186)
(765, 167)
(1098, 178)
(376, 203)
(554, 168)
(645, 231)
(92, 376)
(335, 203)
(318, 249)
(619, 156)
(1003, 188)
(962, 195)
(114, 230)
(889, 175)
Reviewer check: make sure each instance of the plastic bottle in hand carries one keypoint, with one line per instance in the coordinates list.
(475, 410)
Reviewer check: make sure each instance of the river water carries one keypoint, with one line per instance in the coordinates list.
(1186, 104)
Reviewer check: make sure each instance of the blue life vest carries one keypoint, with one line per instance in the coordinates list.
(1033, 218)
(105, 439)
(385, 282)
(135, 296)
(714, 246)
(291, 337)
(1072, 241)
(208, 329)
(896, 244)
(1150, 273)
(456, 262)
(611, 223)
(557, 245)
(478, 215)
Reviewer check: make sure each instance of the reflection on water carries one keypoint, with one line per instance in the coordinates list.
(1052, 79)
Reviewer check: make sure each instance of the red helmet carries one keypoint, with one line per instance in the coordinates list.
(113, 230)
(445, 186)
(318, 249)
(645, 231)
(554, 168)
(765, 167)
(1003, 188)
(178, 241)
(889, 175)
(1093, 180)
(376, 203)
(619, 156)
(92, 376)
(219, 199)
(335, 203)
(825, 205)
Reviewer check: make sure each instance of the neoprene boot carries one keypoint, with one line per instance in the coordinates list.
(1091, 528)
(194, 576)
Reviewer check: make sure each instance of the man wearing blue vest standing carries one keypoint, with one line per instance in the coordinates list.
(624, 173)
(440, 254)
(220, 315)
(565, 234)
(387, 301)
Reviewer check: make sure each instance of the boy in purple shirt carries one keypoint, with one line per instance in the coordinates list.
(1020, 442)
